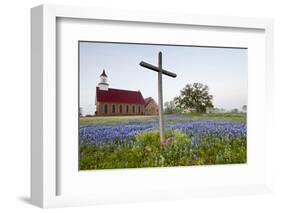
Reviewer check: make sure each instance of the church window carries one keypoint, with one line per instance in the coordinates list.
(139, 109)
(113, 108)
(127, 109)
(133, 109)
(120, 109)
(105, 108)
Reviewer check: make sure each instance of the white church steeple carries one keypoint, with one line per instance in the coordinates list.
(103, 85)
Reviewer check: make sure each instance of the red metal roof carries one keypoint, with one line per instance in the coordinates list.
(119, 96)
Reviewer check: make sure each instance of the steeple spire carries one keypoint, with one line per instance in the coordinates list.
(103, 85)
(103, 73)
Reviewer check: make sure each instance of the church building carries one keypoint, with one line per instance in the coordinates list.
(150, 106)
(111, 101)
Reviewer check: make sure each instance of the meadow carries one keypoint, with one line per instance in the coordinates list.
(190, 139)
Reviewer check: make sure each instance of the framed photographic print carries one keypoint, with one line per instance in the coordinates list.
(130, 106)
(204, 123)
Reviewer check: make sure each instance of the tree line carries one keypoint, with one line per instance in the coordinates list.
(194, 98)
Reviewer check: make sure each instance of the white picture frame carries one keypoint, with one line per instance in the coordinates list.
(44, 83)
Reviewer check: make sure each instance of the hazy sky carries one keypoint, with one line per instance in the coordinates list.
(224, 70)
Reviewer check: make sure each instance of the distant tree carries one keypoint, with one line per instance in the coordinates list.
(194, 97)
(234, 110)
(80, 111)
(244, 108)
(170, 107)
(218, 110)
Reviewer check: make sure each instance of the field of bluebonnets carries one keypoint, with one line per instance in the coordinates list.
(133, 142)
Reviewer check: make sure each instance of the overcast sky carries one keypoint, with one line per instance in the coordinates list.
(224, 70)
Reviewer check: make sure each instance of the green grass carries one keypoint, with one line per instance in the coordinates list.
(114, 119)
(238, 117)
(147, 151)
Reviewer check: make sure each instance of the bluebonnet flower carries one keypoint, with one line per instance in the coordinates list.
(195, 157)
(110, 133)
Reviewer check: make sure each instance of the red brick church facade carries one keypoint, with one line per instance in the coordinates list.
(110, 102)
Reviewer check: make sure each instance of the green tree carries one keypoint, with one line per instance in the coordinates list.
(170, 107)
(195, 97)
(235, 110)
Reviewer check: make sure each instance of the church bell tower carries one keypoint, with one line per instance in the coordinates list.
(103, 85)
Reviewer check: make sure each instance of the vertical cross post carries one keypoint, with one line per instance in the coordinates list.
(160, 99)
(161, 72)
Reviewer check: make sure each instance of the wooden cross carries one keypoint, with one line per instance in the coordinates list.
(160, 89)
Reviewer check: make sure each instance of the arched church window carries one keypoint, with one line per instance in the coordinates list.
(120, 109)
(133, 109)
(127, 109)
(113, 108)
(139, 109)
(105, 108)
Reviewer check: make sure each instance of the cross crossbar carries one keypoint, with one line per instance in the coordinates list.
(154, 68)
